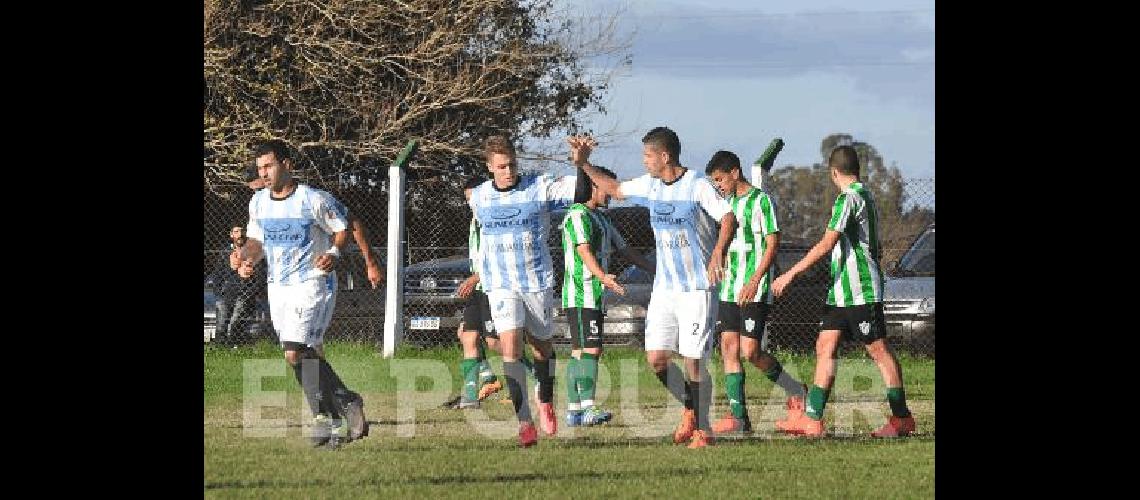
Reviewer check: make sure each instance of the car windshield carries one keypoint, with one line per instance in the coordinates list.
(919, 260)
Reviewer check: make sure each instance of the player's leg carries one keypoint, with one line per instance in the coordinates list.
(488, 382)
(284, 300)
(539, 310)
(509, 315)
(755, 319)
(577, 336)
(661, 343)
(696, 317)
(346, 403)
(588, 367)
(728, 327)
(871, 330)
(832, 327)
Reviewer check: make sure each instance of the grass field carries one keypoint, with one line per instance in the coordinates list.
(417, 448)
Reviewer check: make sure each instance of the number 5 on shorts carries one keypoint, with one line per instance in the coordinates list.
(594, 326)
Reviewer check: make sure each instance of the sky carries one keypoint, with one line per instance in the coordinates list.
(734, 74)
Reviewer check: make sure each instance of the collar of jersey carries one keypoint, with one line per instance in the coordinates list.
(518, 179)
(679, 177)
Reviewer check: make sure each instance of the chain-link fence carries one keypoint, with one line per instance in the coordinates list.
(436, 229)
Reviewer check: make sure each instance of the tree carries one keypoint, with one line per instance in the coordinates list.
(348, 82)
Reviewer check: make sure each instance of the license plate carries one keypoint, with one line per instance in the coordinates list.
(209, 333)
(425, 323)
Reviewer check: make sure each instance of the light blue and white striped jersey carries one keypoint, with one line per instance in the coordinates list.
(514, 225)
(684, 234)
(294, 231)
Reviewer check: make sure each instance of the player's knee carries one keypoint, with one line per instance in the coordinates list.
(658, 363)
(878, 350)
(825, 347)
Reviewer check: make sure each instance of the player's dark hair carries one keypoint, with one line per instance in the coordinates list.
(584, 187)
(722, 161)
(845, 159)
(278, 147)
(666, 140)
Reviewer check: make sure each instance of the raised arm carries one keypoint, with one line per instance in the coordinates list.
(580, 148)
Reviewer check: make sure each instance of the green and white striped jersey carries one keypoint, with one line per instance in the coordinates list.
(855, 273)
(756, 218)
(473, 249)
(582, 225)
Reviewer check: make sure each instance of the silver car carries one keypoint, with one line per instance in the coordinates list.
(908, 295)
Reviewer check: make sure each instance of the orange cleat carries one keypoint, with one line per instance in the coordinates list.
(489, 388)
(686, 427)
(895, 427)
(701, 439)
(804, 425)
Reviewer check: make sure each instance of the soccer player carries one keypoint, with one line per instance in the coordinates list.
(477, 330)
(854, 308)
(681, 309)
(745, 298)
(300, 234)
(516, 272)
(588, 238)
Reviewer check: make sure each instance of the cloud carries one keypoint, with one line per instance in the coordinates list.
(890, 54)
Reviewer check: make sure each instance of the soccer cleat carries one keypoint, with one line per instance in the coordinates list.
(805, 426)
(701, 439)
(896, 427)
(686, 427)
(547, 419)
(353, 411)
(338, 435)
(489, 388)
(729, 423)
(594, 416)
(320, 430)
(795, 407)
(528, 435)
(574, 418)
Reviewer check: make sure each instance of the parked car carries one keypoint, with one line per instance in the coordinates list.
(908, 295)
(432, 310)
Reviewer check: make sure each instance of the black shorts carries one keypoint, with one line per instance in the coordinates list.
(864, 323)
(586, 327)
(748, 321)
(477, 315)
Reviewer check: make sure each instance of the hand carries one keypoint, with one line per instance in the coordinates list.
(580, 148)
(715, 270)
(781, 282)
(235, 258)
(748, 292)
(610, 281)
(245, 268)
(467, 287)
(325, 262)
(374, 275)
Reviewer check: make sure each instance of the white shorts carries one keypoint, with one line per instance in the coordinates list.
(681, 322)
(511, 310)
(303, 311)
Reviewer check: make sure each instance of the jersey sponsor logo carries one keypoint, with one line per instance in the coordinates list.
(514, 247)
(663, 208)
(680, 240)
(750, 324)
(276, 227)
(504, 212)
